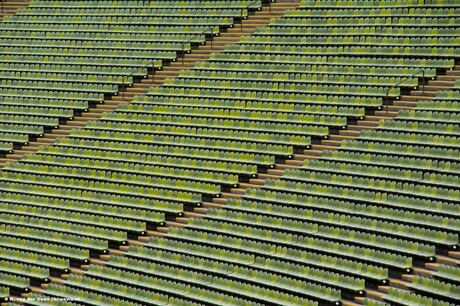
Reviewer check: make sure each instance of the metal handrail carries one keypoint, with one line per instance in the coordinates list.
(387, 90)
(246, 8)
(195, 36)
(123, 84)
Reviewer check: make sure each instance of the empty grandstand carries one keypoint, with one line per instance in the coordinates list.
(230, 152)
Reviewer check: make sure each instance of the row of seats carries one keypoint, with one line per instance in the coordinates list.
(91, 218)
(174, 19)
(106, 158)
(43, 164)
(147, 114)
(340, 189)
(390, 31)
(32, 258)
(62, 226)
(12, 280)
(106, 80)
(16, 128)
(377, 173)
(26, 120)
(91, 30)
(100, 200)
(63, 85)
(76, 146)
(316, 78)
(343, 60)
(114, 72)
(355, 49)
(235, 106)
(52, 112)
(448, 94)
(404, 296)
(87, 52)
(126, 21)
(59, 295)
(226, 131)
(167, 284)
(53, 236)
(29, 246)
(23, 269)
(141, 64)
(370, 216)
(99, 289)
(170, 177)
(320, 68)
(385, 3)
(108, 12)
(450, 273)
(267, 96)
(97, 45)
(375, 11)
(147, 4)
(376, 88)
(93, 38)
(415, 138)
(432, 151)
(351, 40)
(444, 291)
(253, 255)
(422, 21)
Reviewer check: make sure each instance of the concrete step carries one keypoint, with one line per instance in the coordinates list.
(331, 142)
(240, 191)
(404, 103)
(349, 133)
(448, 260)
(422, 272)
(453, 73)
(244, 186)
(415, 98)
(286, 167)
(322, 147)
(367, 123)
(377, 118)
(270, 175)
(256, 182)
(446, 83)
(455, 254)
(426, 93)
(349, 303)
(294, 162)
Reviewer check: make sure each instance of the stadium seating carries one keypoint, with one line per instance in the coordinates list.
(317, 242)
(59, 58)
(348, 221)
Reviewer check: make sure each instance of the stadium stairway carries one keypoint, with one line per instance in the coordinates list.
(9, 7)
(232, 35)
